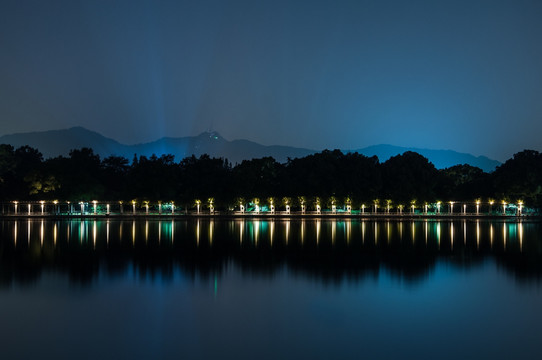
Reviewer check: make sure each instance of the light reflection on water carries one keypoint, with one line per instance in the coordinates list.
(254, 232)
(225, 240)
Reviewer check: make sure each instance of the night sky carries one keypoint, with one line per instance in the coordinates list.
(461, 75)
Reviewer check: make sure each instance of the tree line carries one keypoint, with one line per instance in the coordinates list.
(331, 176)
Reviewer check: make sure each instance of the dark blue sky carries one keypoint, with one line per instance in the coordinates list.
(462, 75)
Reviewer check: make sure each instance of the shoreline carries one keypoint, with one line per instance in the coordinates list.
(237, 215)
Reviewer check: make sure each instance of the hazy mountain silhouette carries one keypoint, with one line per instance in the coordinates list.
(59, 142)
(440, 158)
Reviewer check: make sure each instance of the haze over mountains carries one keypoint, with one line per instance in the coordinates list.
(59, 142)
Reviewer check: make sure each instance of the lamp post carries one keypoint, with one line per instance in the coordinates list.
(211, 206)
(503, 208)
(42, 203)
(438, 207)
(451, 207)
(94, 202)
(16, 205)
(477, 207)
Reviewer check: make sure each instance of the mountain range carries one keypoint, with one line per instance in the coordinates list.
(53, 143)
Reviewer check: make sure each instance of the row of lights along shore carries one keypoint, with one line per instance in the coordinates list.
(169, 207)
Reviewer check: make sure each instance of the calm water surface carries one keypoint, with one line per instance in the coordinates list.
(259, 289)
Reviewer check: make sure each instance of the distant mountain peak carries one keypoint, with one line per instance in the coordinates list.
(59, 142)
(212, 135)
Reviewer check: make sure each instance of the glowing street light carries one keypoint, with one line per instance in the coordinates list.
(211, 205)
(363, 208)
(477, 207)
(520, 208)
(108, 209)
(56, 206)
(438, 207)
(464, 209)
(16, 205)
(94, 202)
(425, 209)
(159, 208)
(42, 203)
(147, 207)
(82, 207)
(491, 202)
(451, 207)
(172, 208)
(133, 207)
(504, 208)
(198, 203)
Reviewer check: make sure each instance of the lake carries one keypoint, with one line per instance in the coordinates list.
(270, 289)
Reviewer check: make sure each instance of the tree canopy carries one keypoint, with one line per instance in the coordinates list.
(83, 175)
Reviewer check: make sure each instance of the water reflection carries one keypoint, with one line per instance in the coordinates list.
(323, 249)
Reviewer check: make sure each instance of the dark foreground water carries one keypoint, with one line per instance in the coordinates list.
(244, 289)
